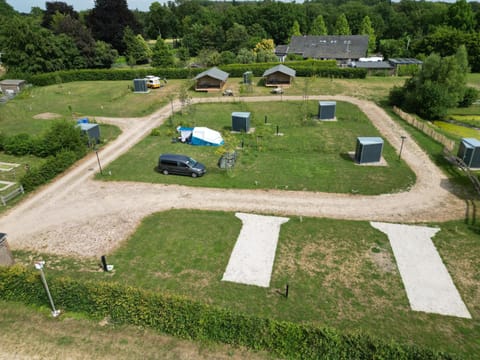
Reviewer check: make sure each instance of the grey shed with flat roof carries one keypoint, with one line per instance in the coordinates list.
(241, 121)
(368, 149)
(326, 110)
(469, 152)
(92, 131)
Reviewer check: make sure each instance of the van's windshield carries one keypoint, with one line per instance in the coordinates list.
(191, 162)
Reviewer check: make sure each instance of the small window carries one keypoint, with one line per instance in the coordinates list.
(169, 162)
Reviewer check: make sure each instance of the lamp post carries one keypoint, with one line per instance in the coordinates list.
(39, 266)
(403, 137)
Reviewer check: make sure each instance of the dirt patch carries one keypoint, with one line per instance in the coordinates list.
(383, 260)
(47, 116)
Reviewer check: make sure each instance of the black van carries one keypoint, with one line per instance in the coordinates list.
(181, 165)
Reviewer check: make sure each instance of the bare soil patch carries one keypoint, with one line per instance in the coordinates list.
(47, 116)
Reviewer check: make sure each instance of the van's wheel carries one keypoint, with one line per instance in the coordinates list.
(165, 172)
(194, 175)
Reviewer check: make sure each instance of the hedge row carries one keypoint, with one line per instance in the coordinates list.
(324, 68)
(182, 317)
(51, 168)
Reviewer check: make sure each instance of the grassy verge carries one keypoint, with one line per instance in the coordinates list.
(74, 337)
(337, 279)
(310, 155)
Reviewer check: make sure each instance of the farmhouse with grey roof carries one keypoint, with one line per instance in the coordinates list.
(213, 79)
(343, 48)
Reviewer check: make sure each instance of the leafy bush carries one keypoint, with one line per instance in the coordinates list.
(51, 168)
(182, 317)
(63, 136)
(19, 145)
(470, 96)
(2, 141)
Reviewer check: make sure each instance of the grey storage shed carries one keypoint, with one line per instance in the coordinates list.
(469, 152)
(368, 150)
(140, 86)
(241, 121)
(92, 131)
(326, 110)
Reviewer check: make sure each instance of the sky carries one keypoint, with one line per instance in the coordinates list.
(26, 5)
(143, 5)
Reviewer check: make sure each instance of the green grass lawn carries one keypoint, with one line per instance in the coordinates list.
(340, 274)
(114, 98)
(73, 336)
(309, 156)
(89, 98)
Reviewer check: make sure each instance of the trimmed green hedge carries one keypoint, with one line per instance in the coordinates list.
(322, 68)
(51, 168)
(182, 317)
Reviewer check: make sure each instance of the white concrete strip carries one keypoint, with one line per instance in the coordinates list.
(426, 279)
(251, 261)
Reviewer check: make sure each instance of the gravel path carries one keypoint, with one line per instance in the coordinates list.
(78, 216)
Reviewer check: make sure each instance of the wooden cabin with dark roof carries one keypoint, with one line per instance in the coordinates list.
(279, 75)
(213, 79)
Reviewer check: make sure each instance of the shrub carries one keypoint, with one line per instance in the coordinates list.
(63, 136)
(19, 145)
(51, 168)
(469, 97)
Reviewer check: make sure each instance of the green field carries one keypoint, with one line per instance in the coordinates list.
(341, 274)
(310, 155)
(115, 99)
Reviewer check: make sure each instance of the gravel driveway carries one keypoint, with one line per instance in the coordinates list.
(78, 216)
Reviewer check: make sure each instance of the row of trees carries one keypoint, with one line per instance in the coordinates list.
(88, 38)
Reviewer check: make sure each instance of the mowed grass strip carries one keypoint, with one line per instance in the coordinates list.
(309, 155)
(340, 274)
(37, 335)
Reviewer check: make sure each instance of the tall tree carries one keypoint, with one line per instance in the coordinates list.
(236, 38)
(137, 50)
(295, 30)
(441, 84)
(108, 20)
(366, 28)
(460, 16)
(6, 10)
(318, 26)
(161, 21)
(29, 48)
(104, 56)
(341, 26)
(82, 37)
(56, 7)
(161, 54)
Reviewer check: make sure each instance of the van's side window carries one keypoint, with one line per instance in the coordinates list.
(169, 162)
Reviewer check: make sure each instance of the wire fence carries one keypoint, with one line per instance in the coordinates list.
(426, 128)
